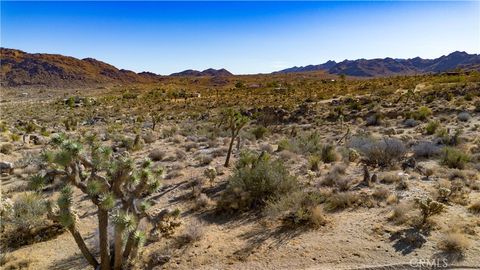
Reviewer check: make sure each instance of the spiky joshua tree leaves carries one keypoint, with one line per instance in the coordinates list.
(233, 121)
(118, 189)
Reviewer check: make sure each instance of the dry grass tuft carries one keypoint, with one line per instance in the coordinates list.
(402, 213)
(475, 207)
(454, 242)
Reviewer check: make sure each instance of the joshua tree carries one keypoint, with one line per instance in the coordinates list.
(233, 121)
(156, 118)
(428, 208)
(114, 186)
(210, 173)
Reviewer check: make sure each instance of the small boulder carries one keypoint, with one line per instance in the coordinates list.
(6, 167)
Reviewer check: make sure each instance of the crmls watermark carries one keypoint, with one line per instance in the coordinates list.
(434, 263)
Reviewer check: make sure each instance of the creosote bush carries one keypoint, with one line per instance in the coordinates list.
(6, 148)
(328, 154)
(431, 127)
(444, 137)
(255, 181)
(259, 132)
(422, 113)
(454, 158)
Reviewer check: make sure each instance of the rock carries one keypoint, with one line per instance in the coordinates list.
(157, 155)
(390, 131)
(157, 259)
(37, 139)
(409, 163)
(6, 167)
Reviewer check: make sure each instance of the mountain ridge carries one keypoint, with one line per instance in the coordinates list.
(19, 68)
(393, 66)
(207, 72)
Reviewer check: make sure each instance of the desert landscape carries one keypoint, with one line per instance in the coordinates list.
(355, 164)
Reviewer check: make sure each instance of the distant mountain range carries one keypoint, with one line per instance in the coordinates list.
(18, 68)
(390, 66)
(206, 72)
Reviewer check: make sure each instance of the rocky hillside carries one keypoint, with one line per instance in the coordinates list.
(390, 66)
(19, 68)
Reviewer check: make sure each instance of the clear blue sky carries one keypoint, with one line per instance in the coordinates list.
(244, 37)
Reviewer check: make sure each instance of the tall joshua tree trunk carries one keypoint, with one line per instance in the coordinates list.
(82, 246)
(104, 245)
(229, 153)
(118, 256)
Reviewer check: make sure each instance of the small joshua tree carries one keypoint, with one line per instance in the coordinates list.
(233, 121)
(114, 186)
(428, 208)
(156, 118)
(70, 123)
(210, 173)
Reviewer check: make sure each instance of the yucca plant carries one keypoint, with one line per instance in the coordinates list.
(115, 187)
(233, 121)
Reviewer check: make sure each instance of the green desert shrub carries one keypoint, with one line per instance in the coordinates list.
(15, 137)
(28, 211)
(306, 143)
(24, 221)
(328, 153)
(259, 132)
(444, 137)
(6, 148)
(422, 113)
(284, 144)
(314, 163)
(454, 158)
(431, 127)
(255, 182)
(3, 126)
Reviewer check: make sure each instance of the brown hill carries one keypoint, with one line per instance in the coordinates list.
(19, 68)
